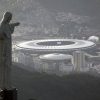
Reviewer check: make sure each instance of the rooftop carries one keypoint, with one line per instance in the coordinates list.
(55, 57)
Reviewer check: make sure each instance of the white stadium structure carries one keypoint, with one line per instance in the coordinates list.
(71, 51)
(55, 45)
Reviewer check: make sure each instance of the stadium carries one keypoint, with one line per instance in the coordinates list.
(55, 45)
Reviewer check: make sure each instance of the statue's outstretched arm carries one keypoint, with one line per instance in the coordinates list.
(15, 24)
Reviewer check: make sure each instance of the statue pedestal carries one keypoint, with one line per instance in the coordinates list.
(8, 94)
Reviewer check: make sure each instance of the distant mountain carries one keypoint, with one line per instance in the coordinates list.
(82, 7)
(30, 14)
(42, 17)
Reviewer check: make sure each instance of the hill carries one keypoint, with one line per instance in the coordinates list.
(39, 17)
(42, 86)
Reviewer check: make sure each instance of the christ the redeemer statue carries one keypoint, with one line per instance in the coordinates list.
(6, 30)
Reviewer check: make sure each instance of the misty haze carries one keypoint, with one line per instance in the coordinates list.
(56, 49)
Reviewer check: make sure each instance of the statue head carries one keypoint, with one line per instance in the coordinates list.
(7, 17)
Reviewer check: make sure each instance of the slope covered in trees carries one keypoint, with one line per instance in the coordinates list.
(51, 87)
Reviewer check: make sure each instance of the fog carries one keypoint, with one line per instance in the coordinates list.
(55, 19)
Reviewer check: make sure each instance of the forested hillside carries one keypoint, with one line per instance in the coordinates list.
(42, 86)
(43, 17)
